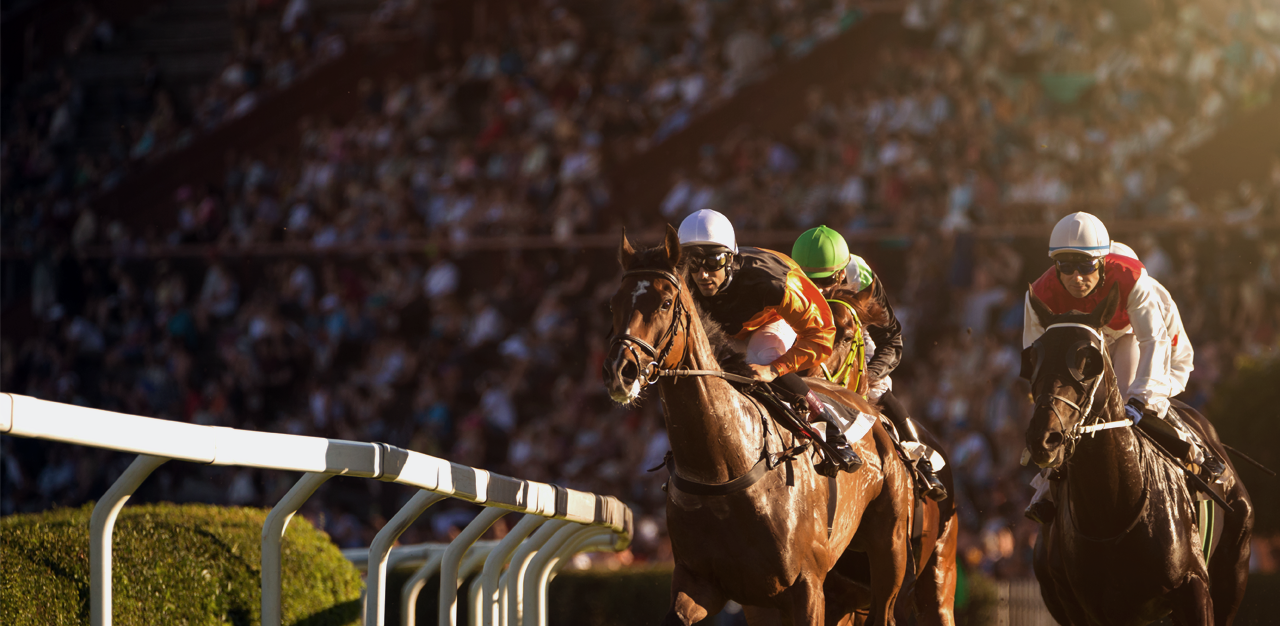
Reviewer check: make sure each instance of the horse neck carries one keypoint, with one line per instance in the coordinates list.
(1106, 474)
(713, 429)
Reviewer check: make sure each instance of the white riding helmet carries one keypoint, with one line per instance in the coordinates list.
(1079, 233)
(708, 228)
(1123, 250)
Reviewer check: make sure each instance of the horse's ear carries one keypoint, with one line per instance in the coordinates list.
(626, 253)
(1107, 310)
(1041, 309)
(672, 245)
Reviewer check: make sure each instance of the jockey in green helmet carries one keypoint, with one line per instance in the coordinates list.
(823, 256)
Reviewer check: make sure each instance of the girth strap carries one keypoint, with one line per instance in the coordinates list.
(752, 477)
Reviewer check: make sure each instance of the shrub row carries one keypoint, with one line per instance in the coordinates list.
(172, 564)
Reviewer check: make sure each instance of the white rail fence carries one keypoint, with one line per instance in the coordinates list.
(558, 524)
(1018, 603)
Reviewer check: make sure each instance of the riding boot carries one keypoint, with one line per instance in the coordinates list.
(933, 489)
(1167, 436)
(842, 453)
(1042, 509)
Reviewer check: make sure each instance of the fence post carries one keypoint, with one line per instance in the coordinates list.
(533, 573)
(376, 580)
(515, 573)
(412, 587)
(448, 609)
(490, 606)
(273, 535)
(101, 525)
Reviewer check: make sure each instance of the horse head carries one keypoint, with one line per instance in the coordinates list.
(1063, 367)
(650, 317)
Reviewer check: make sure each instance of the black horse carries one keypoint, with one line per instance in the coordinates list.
(1123, 548)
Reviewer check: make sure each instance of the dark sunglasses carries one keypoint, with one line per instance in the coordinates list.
(1084, 267)
(710, 262)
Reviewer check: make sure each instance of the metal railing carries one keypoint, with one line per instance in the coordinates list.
(566, 521)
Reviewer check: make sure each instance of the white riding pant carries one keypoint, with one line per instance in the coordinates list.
(1124, 360)
(768, 343)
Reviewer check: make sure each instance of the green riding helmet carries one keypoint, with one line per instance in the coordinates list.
(821, 252)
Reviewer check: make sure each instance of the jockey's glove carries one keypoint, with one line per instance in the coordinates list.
(1135, 409)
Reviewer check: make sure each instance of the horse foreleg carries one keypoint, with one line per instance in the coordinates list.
(1229, 565)
(806, 601)
(1192, 605)
(761, 616)
(692, 599)
(844, 597)
(936, 587)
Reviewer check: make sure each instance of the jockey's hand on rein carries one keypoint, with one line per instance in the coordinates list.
(764, 373)
(1134, 409)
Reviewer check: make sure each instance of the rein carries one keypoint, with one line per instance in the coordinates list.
(654, 372)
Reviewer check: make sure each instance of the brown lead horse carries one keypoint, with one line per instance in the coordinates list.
(933, 593)
(1123, 548)
(767, 545)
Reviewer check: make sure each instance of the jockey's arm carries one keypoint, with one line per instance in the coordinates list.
(806, 311)
(887, 338)
(1156, 325)
(1031, 328)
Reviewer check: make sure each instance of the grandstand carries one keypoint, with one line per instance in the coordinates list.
(395, 221)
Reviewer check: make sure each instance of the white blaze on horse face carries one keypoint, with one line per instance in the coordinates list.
(642, 287)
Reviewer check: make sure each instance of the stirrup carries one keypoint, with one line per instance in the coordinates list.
(933, 488)
(840, 453)
(1213, 468)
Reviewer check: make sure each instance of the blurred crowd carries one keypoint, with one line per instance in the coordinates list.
(509, 135)
(1014, 112)
(492, 359)
(49, 168)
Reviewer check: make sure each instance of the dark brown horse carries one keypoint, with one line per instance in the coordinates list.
(1123, 548)
(933, 593)
(766, 546)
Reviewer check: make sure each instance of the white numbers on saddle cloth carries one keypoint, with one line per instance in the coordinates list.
(642, 287)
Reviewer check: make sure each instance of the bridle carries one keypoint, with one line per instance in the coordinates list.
(653, 371)
(1089, 423)
(658, 356)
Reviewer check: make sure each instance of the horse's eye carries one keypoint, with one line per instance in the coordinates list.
(666, 304)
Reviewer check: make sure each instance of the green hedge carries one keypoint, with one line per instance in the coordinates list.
(639, 596)
(188, 564)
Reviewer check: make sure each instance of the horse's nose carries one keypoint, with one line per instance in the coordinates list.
(628, 373)
(1052, 440)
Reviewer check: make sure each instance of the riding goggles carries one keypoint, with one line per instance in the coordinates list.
(710, 262)
(1085, 268)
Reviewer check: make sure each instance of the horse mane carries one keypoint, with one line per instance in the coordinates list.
(869, 311)
(730, 359)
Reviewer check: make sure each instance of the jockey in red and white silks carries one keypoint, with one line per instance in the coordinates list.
(1150, 352)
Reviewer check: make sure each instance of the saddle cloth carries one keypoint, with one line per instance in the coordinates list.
(856, 424)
